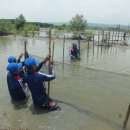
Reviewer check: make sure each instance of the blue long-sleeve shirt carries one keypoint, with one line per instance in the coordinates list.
(16, 87)
(74, 52)
(36, 82)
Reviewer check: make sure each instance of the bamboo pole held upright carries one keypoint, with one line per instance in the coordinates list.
(127, 117)
(49, 60)
(53, 51)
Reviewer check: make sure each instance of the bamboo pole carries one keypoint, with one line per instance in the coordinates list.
(79, 45)
(127, 117)
(88, 41)
(88, 47)
(93, 44)
(106, 41)
(121, 36)
(63, 53)
(98, 37)
(53, 51)
(112, 36)
(109, 37)
(49, 60)
(118, 33)
(102, 40)
(25, 49)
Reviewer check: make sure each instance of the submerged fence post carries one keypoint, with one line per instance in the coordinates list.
(127, 117)
(93, 44)
(102, 39)
(112, 36)
(79, 45)
(49, 60)
(63, 54)
(98, 37)
(118, 32)
(109, 37)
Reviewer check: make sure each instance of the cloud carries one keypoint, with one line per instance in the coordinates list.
(96, 11)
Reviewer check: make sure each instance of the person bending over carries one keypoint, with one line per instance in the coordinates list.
(36, 82)
(16, 87)
(12, 59)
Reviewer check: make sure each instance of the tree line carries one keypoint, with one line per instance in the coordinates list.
(19, 24)
(14, 26)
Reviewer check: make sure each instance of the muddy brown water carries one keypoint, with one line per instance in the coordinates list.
(93, 94)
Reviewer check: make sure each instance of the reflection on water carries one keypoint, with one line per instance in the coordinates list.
(89, 98)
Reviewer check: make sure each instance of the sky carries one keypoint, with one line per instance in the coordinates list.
(94, 11)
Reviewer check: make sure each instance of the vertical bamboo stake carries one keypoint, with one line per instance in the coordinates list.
(88, 41)
(53, 51)
(106, 40)
(127, 117)
(79, 45)
(63, 54)
(93, 44)
(102, 40)
(109, 37)
(88, 47)
(25, 50)
(97, 51)
(118, 33)
(49, 60)
(112, 36)
(98, 37)
(121, 36)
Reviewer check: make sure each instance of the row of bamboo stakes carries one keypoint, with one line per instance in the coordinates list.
(50, 38)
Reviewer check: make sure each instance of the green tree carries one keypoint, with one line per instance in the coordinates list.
(56, 32)
(25, 31)
(75, 34)
(78, 23)
(3, 27)
(89, 34)
(19, 22)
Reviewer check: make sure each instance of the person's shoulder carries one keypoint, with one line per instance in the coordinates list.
(9, 74)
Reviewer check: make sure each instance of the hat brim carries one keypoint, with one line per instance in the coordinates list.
(37, 61)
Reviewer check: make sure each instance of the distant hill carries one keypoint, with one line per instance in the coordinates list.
(94, 25)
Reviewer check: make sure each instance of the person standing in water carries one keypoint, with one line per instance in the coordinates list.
(74, 52)
(16, 86)
(36, 82)
(124, 35)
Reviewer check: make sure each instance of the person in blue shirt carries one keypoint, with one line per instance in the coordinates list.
(16, 87)
(124, 35)
(36, 82)
(74, 52)
(12, 59)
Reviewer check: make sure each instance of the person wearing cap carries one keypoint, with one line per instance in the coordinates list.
(36, 82)
(13, 59)
(74, 52)
(15, 83)
(124, 35)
